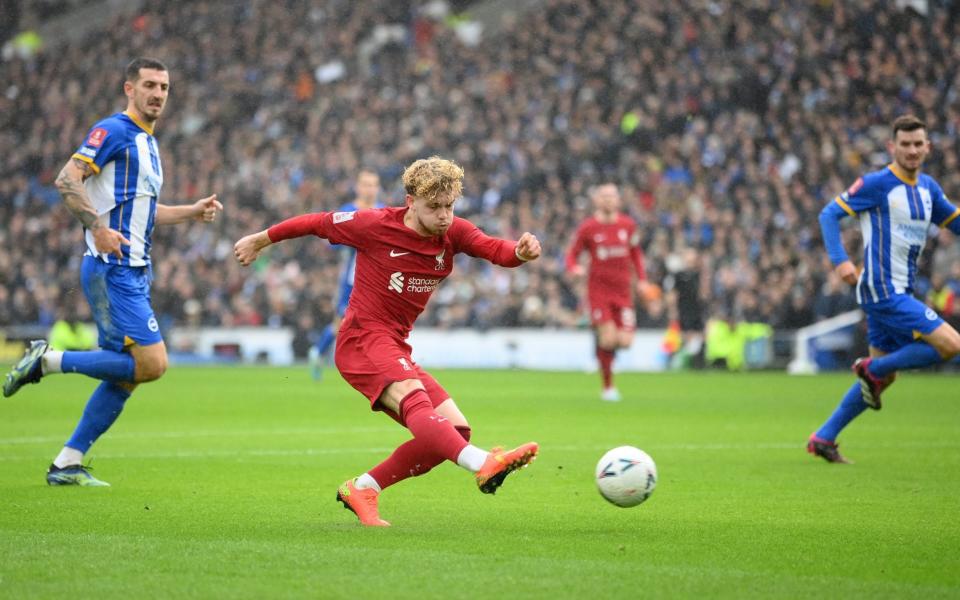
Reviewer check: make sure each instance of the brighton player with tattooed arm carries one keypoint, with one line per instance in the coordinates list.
(895, 207)
(403, 254)
(613, 243)
(112, 185)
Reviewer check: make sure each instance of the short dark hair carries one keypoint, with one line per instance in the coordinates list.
(133, 69)
(907, 123)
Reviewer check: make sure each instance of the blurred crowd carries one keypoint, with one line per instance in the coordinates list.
(727, 123)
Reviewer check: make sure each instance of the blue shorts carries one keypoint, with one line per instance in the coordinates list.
(119, 298)
(343, 300)
(898, 321)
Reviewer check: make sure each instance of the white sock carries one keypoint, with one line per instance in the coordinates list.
(472, 458)
(50, 363)
(67, 457)
(366, 482)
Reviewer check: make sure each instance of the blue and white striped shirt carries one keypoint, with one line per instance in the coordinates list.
(895, 213)
(126, 184)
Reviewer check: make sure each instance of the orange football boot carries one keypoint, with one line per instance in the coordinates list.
(500, 463)
(362, 503)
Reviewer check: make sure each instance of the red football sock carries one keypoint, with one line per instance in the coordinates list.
(411, 459)
(605, 358)
(436, 433)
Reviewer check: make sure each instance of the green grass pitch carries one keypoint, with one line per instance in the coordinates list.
(224, 482)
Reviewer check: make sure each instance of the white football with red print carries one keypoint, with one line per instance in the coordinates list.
(626, 476)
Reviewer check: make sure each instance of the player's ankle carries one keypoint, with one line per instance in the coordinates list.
(472, 458)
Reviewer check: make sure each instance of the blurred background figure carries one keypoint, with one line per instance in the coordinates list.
(683, 285)
(366, 189)
(71, 334)
(612, 241)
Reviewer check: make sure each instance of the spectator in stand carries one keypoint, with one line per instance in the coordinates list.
(833, 299)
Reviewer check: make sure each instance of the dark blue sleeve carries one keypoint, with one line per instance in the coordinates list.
(954, 223)
(944, 214)
(830, 227)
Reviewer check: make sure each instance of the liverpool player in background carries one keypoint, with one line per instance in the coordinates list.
(613, 242)
(402, 256)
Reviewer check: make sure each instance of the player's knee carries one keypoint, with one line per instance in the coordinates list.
(951, 348)
(403, 398)
(151, 369)
(607, 342)
(464, 431)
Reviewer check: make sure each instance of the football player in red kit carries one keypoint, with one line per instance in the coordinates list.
(403, 254)
(612, 240)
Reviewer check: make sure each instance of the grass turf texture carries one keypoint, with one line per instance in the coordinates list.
(224, 482)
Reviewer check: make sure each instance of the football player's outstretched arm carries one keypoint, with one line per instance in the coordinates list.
(205, 210)
(528, 247)
(505, 253)
(248, 248)
(347, 228)
(70, 185)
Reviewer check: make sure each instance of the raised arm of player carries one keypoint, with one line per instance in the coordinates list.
(70, 185)
(339, 227)
(248, 248)
(468, 238)
(205, 210)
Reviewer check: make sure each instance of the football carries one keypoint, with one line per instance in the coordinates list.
(626, 476)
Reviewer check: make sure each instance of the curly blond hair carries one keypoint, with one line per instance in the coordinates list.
(432, 178)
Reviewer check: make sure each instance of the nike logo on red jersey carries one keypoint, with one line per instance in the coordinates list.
(394, 253)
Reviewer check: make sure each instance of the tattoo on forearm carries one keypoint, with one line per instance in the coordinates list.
(75, 197)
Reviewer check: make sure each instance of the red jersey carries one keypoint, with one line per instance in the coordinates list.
(614, 253)
(397, 268)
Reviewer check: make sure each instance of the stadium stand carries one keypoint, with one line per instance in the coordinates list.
(725, 136)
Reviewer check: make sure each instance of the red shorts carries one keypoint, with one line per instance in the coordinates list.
(371, 360)
(619, 311)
